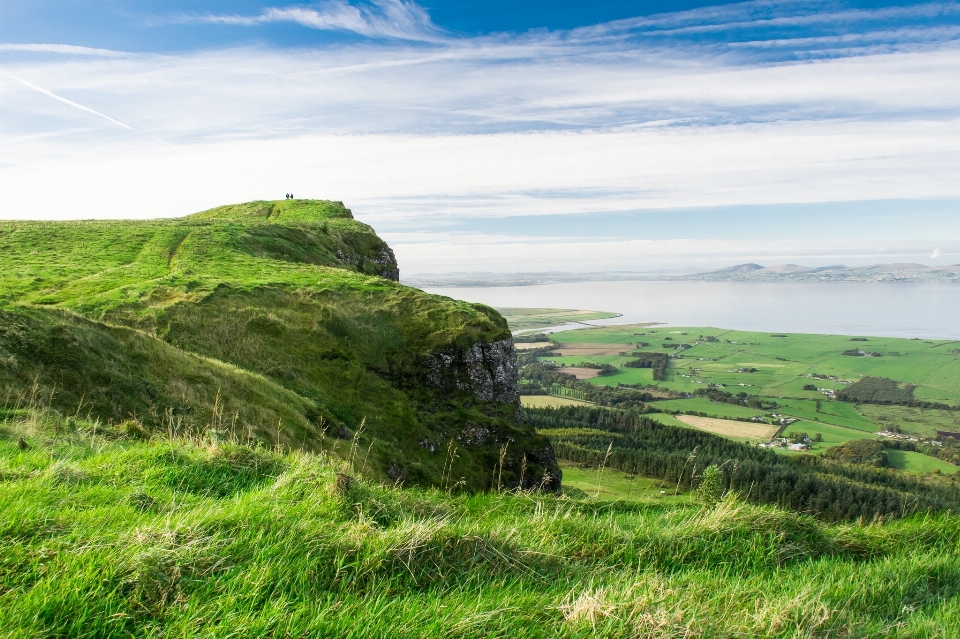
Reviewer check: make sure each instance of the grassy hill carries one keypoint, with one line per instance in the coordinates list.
(277, 321)
(104, 534)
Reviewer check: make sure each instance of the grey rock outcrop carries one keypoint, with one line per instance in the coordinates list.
(488, 370)
(385, 261)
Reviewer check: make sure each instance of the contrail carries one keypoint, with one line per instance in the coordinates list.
(66, 101)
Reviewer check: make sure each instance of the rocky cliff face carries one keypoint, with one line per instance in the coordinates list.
(384, 263)
(387, 262)
(489, 371)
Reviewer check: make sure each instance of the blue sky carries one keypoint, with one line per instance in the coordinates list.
(502, 136)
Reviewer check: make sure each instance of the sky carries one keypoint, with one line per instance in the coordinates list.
(504, 136)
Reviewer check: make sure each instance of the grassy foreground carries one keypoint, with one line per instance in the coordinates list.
(106, 535)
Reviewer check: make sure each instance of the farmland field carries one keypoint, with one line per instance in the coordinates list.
(581, 373)
(704, 405)
(526, 319)
(730, 427)
(615, 484)
(914, 420)
(919, 463)
(793, 374)
(549, 401)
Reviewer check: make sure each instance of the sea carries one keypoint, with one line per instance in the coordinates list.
(881, 309)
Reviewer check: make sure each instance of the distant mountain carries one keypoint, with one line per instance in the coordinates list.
(741, 268)
(748, 272)
(898, 272)
(440, 280)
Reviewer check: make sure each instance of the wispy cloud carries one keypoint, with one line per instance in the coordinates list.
(415, 125)
(62, 49)
(767, 14)
(60, 98)
(399, 19)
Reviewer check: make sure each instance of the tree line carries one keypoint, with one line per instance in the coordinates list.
(949, 451)
(656, 361)
(880, 390)
(832, 490)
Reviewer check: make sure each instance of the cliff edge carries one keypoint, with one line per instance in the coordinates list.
(279, 321)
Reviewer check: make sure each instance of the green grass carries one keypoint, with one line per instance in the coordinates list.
(918, 462)
(831, 435)
(613, 484)
(106, 536)
(915, 421)
(287, 309)
(781, 360)
(530, 319)
(828, 414)
(784, 365)
(704, 405)
(625, 376)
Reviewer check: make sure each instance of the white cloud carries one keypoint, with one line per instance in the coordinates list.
(64, 100)
(528, 173)
(399, 19)
(438, 253)
(935, 254)
(759, 14)
(62, 49)
(589, 121)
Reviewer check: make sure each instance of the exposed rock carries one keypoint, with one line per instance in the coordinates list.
(385, 261)
(397, 473)
(472, 435)
(488, 370)
(551, 480)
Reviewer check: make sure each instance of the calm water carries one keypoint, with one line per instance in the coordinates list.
(846, 308)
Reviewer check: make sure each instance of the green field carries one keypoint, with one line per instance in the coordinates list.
(704, 405)
(615, 484)
(919, 463)
(775, 368)
(923, 422)
(531, 319)
(783, 363)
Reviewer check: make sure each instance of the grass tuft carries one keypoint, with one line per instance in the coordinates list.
(116, 536)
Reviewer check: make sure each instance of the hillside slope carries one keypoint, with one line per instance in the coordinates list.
(283, 319)
(105, 536)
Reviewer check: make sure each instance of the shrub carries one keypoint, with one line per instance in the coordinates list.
(860, 451)
(710, 490)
